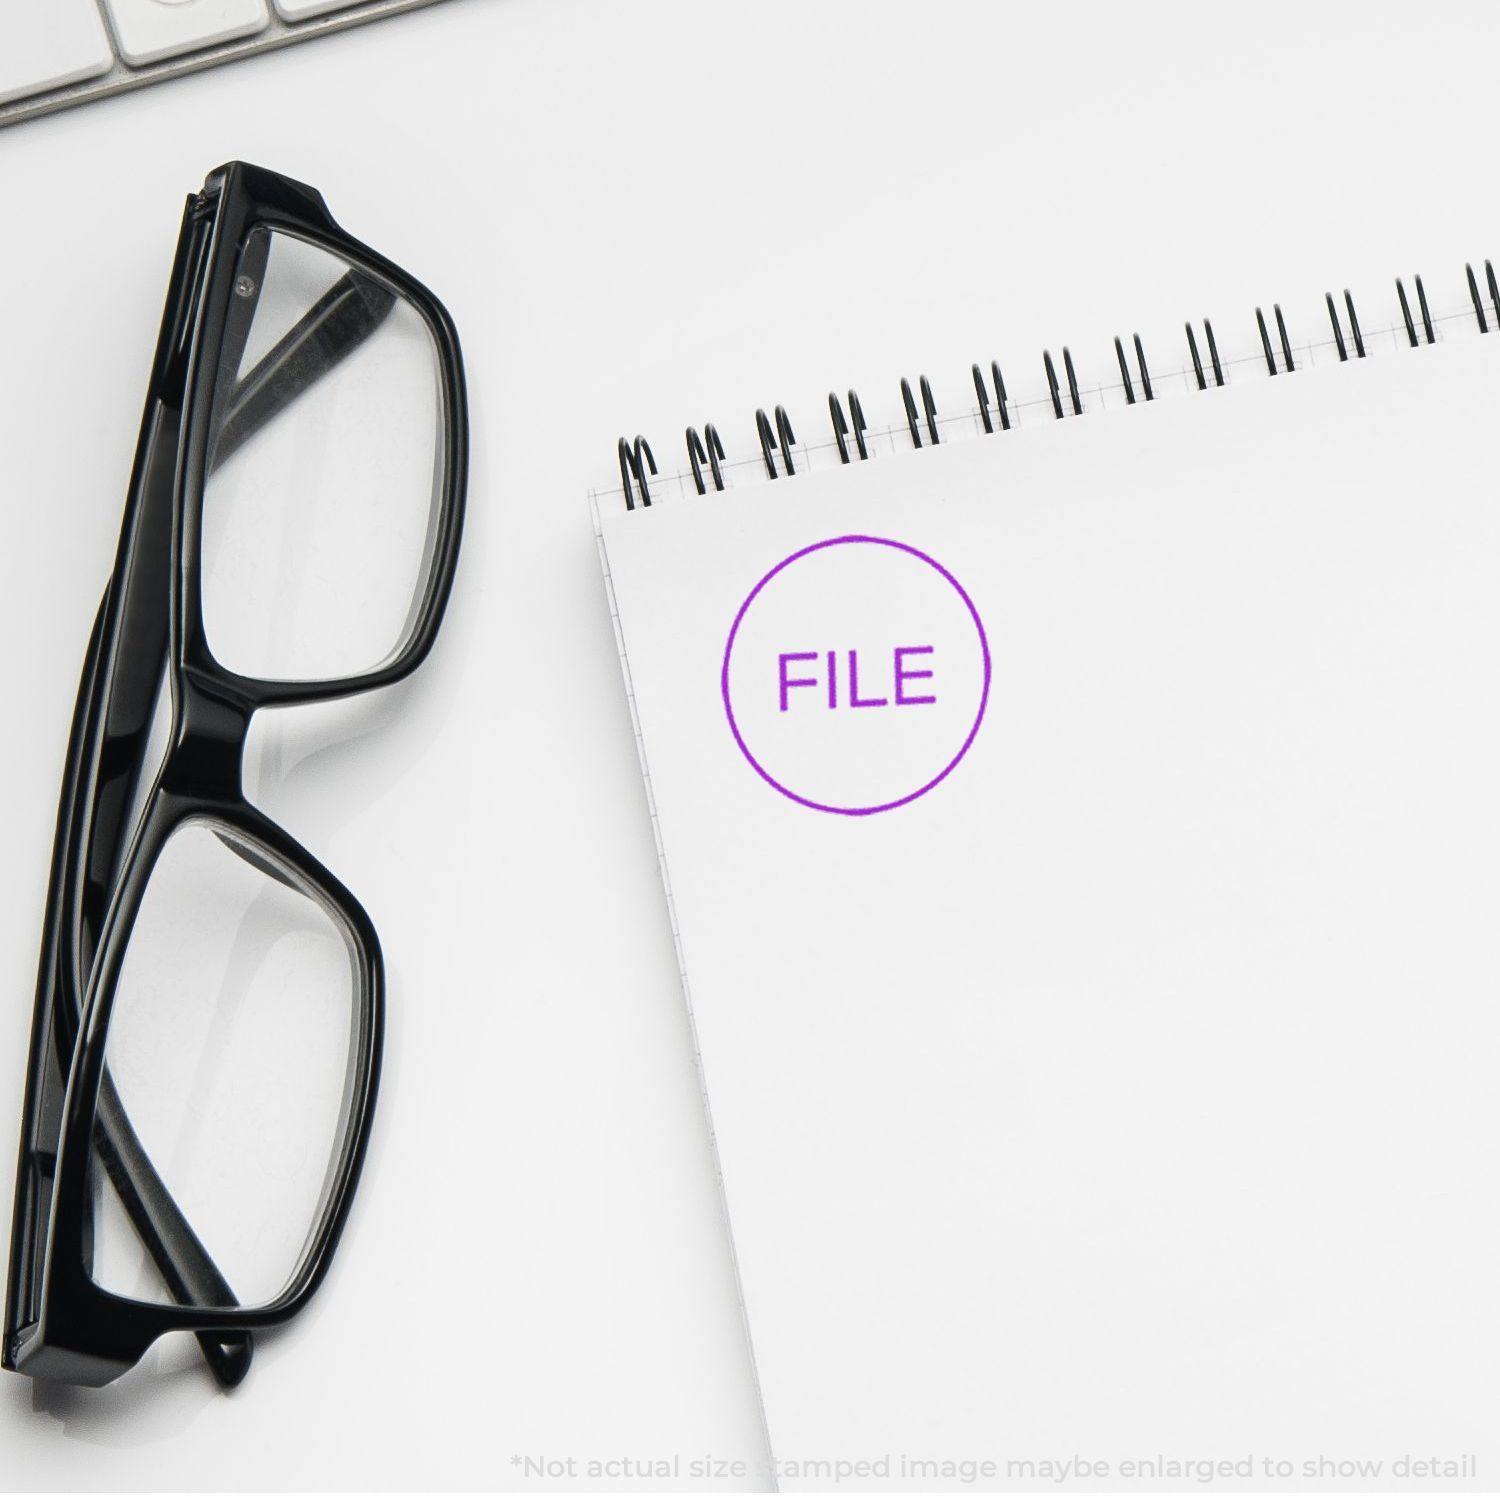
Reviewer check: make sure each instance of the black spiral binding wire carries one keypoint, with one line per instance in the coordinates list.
(1265, 340)
(984, 399)
(842, 428)
(1338, 331)
(1052, 386)
(706, 453)
(1489, 276)
(929, 411)
(1213, 355)
(709, 449)
(1411, 331)
(769, 441)
(1140, 361)
(635, 461)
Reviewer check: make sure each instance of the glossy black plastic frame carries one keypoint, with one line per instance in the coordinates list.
(60, 1324)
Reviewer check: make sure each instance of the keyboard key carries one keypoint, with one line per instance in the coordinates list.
(47, 43)
(150, 30)
(300, 10)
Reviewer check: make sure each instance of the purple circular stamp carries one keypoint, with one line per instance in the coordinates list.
(856, 675)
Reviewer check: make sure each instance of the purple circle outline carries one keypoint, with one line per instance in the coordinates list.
(984, 697)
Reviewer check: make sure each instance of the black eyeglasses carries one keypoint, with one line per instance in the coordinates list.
(207, 1033)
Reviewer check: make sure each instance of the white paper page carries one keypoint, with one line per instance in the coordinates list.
(1132, 1093)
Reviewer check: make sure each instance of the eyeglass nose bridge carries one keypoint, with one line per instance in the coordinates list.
(206, 760)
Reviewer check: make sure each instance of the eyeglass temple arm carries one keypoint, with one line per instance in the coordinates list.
(327, 333)
(333, 328)
(185, 1266)
(336, 325)
(179, 1255)
(118, 691)
(330, 330)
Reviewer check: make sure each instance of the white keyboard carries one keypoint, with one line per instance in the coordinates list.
(54, 53)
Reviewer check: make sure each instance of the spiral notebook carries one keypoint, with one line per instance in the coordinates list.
(1080, 822)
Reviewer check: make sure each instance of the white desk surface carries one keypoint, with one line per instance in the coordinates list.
(640, 217)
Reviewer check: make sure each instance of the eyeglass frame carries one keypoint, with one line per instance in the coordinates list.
(59, 1323)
